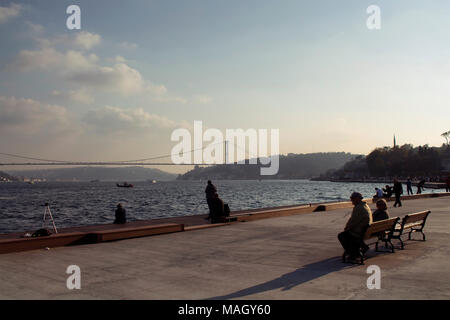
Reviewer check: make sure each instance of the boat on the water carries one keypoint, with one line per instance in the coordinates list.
(124, 185)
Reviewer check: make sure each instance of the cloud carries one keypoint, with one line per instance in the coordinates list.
(202, 99)
(117, 119)
(82, 68)
(128, 46)
(50, 59)
(7, 13)
(82, 95)
(83, 40)
(118, 78)
(27, 116)
(87, 40)
(35, 28)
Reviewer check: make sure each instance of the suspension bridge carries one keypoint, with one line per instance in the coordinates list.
(35, 161)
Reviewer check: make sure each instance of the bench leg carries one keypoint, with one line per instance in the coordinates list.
(392, 245)
(361, 256)
(402, 245)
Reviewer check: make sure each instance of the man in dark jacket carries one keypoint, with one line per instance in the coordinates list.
(210, 191)
(218, 212)
(120, 215)
(398, 191)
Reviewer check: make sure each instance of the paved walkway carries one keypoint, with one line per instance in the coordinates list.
(294, 257)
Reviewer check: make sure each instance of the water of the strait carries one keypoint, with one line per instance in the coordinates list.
(84, 203)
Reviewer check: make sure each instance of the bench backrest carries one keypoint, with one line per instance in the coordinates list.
(415, 217)
(380, 226)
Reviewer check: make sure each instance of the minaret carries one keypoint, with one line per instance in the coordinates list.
(394, 141)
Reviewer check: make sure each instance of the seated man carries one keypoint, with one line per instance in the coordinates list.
(351, 238)
(120, 215)
(218, 212)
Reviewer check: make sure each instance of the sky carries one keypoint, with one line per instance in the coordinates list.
(117, 88)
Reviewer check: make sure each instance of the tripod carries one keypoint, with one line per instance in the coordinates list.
(47, 210)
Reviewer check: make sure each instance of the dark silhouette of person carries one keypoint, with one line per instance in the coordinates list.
(210, 191)
(352, 235)
(420, 186)
(218, 212)
(409, 186)
(120, 215)
(447, 184)
(398, 191)
(387, 191)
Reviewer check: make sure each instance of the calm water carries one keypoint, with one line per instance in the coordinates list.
(82, 203)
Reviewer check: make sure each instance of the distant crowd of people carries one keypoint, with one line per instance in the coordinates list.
(397, 190)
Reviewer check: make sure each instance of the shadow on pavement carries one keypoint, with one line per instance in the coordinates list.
(290, 280)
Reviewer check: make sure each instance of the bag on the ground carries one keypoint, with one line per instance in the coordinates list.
(41, 233)
(226, 210)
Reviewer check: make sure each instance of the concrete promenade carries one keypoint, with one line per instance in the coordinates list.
(292, 257)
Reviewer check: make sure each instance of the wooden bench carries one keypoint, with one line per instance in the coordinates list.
(382, 231)
(414, 222)
(134, 232)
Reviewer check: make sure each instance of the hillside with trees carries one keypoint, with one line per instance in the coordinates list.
(292, 166)
(403, 161)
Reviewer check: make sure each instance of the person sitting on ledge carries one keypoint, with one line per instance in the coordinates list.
(120, 215)
(218, 212)
(388, 191)
(378, 194)
(361, 216)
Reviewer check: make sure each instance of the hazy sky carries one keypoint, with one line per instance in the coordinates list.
(137, 70)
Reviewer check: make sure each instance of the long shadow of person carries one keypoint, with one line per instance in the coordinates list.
(290, 280)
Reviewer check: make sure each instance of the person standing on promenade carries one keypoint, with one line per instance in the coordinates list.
(120, 215)
(210, 191)
(420, 186)
(361, 217)
(409, 186)
(398, 191)
(447, 184)
(218, 212)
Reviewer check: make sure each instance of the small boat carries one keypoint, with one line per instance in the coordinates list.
(124, 185)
